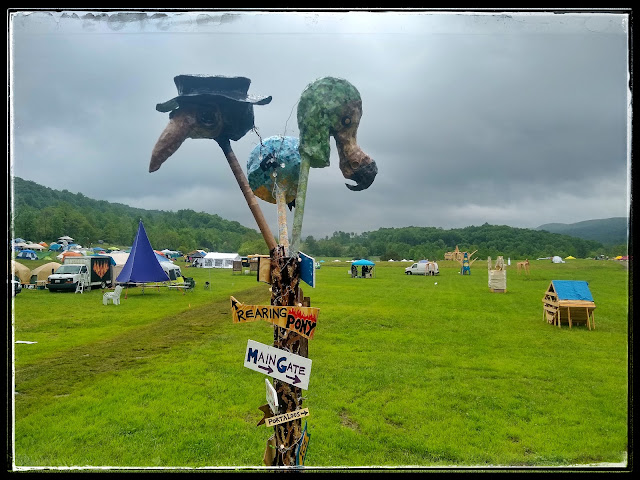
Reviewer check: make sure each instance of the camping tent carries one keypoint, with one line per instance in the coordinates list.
(195, 255)
(27, 255)
(120, 259)
(68, 253)
(367, 267)
(557, 259)
(21, 271)
(142, 265)
(43, 271)
(570, 257)
(171, 269)
(55, 247)
(168, 266)
(218, 260)
(34, 246)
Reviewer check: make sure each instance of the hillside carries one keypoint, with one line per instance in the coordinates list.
(608, 231)
(44, 214)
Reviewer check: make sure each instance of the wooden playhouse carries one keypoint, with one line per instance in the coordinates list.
(570, 302)
(497, 275)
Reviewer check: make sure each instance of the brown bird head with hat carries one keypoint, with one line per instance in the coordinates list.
(215, 107)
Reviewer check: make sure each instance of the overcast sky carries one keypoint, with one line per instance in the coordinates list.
(509, 118)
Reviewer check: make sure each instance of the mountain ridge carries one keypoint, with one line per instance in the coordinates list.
(608, 231)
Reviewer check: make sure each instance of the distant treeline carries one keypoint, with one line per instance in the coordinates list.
(41, 213)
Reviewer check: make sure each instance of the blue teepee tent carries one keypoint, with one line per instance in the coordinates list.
(142, 266)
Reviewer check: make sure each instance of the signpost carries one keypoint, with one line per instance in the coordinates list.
(280, 364)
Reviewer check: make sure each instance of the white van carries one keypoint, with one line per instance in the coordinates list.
(94, 271)
(422, 268)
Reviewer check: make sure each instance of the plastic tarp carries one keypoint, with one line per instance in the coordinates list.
(572, 290)
(362, 262)
(142, 266)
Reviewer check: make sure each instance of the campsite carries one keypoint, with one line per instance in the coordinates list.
(407, 371)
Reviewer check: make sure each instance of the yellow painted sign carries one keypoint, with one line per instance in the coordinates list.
(301, 320)
(285, 417)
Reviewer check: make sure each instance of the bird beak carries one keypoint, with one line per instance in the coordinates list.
(180, 126)
(354, 163)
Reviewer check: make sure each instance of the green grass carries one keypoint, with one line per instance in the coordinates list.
(405, 372)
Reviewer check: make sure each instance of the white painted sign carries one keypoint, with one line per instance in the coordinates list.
(285, 366)
(272, 396)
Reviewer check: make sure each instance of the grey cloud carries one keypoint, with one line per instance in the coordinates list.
(471, 118)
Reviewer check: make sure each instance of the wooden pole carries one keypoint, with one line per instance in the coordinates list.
(243, 183)
(285, 291)
(298, 216)
(283, 235)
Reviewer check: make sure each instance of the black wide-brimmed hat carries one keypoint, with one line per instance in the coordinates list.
(203, 88)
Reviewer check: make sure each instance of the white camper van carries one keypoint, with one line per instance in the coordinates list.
(422, 268)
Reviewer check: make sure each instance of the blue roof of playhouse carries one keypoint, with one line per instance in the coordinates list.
(572, 290)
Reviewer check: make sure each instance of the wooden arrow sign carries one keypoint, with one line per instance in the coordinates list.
(301, 320)
(285, 417)
(285, 366)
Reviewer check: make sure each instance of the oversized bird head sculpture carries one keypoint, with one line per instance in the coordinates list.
(215, 107)
(332, 107)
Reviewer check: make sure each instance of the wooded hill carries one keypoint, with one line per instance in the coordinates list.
(41, 213)
(608, 231)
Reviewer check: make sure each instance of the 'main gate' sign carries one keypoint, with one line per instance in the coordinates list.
(277, 363)
(301, 320)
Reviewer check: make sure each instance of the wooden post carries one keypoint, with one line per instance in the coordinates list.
(285, 291)
(243, 183)
(283, 236)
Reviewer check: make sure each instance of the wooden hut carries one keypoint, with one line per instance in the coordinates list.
(497, 276)
(569, 301)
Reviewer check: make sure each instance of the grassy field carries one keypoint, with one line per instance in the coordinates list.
(407, 371)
